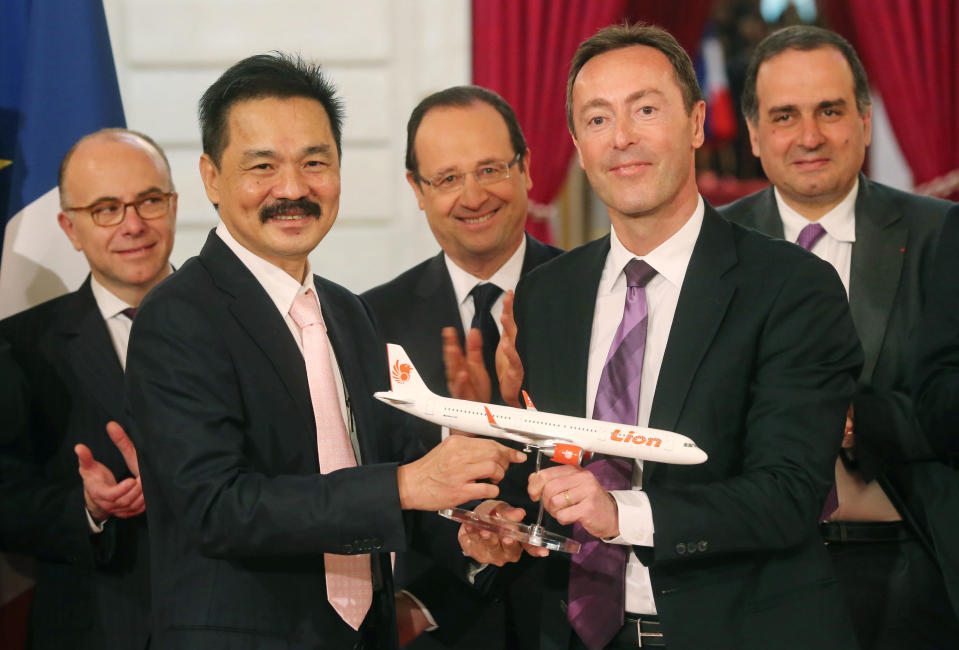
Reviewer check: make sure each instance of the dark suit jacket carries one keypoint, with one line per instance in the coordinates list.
(240, 515)
(92, 590)
(759, 366)
(931, 489)
(412, 309)
(890, 276)
(896, 233)
(936, 379)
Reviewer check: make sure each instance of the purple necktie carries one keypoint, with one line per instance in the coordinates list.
(808, 237)
(597, 574)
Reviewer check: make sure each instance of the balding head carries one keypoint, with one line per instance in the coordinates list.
(134, 138)
(115, 177)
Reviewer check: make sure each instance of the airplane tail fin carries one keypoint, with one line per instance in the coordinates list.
(403, 376)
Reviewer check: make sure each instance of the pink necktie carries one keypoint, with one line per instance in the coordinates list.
(348, 585)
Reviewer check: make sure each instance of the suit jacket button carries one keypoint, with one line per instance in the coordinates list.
(702, 545)
(681, 548)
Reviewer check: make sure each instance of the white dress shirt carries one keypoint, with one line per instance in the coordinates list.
(283, 290)
(670, 260)
(118, 324)
(835, 246)
(506, 278)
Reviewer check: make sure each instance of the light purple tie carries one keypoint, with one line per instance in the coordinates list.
(808, 237)
(597, 574)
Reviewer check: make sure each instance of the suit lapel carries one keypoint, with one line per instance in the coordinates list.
(436, 308)
(536, 253)
(91, 353)
(572, 316)
(256, 313)
(877, 257)
(766, 213)
(703, 301)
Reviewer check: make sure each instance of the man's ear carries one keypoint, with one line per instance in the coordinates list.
(66, 225)
(753, 136)
(417, 190)
(579, 154)
(529, 177)
(211, 178)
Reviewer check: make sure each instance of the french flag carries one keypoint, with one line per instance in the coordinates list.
(720, 112)
(57, 83)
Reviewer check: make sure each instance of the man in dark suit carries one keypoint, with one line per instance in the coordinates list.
(248, 374)
(807, 105)
(934, 498)
(469, 167)
(687, 323)
(86, 528)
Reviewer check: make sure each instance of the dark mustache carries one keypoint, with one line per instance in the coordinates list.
(307, 207)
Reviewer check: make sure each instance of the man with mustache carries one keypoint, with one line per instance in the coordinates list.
(469, 168)
(680, 320)
(807, 105)
(276, 485)
(86, 528)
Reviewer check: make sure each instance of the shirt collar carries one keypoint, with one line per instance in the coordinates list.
(839, 223)
(108, 304)
(670, 259)
(277, 283)
(506, 277)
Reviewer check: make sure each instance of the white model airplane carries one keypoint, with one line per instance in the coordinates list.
(563, 438)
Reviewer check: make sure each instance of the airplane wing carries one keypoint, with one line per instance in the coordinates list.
(526, 435)
(391, 397)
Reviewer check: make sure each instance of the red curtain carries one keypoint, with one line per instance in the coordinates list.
(909, 49)
(522, 51)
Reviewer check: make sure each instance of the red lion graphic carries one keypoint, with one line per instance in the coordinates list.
(401, 372)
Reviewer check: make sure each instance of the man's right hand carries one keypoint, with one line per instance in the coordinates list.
(447, 476)
(103, 495)
(509, 367)
(489, 548)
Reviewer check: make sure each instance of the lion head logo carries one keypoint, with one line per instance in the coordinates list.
(401, 372)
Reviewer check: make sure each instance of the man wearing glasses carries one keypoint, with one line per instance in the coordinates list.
(468, 165)
(85, 527)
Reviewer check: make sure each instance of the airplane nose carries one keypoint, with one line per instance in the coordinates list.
(700, 456)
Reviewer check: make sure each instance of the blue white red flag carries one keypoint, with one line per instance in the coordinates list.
(711, 69)
(57, 83)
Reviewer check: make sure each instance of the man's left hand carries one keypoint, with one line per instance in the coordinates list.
(573, 495)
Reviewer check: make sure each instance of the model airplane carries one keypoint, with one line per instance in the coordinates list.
(563, 438)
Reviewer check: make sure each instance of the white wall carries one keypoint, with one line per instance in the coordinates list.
(383, 55)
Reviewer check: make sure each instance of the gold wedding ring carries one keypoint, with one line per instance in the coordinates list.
(568, 502)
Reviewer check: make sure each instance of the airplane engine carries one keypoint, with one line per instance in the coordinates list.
(566, 454)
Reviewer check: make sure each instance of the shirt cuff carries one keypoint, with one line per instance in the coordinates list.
(95, 528)
(426, 612)
(475, 568)
(635, 518)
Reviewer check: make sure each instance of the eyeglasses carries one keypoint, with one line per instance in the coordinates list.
(111, 212)
(487, 174)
